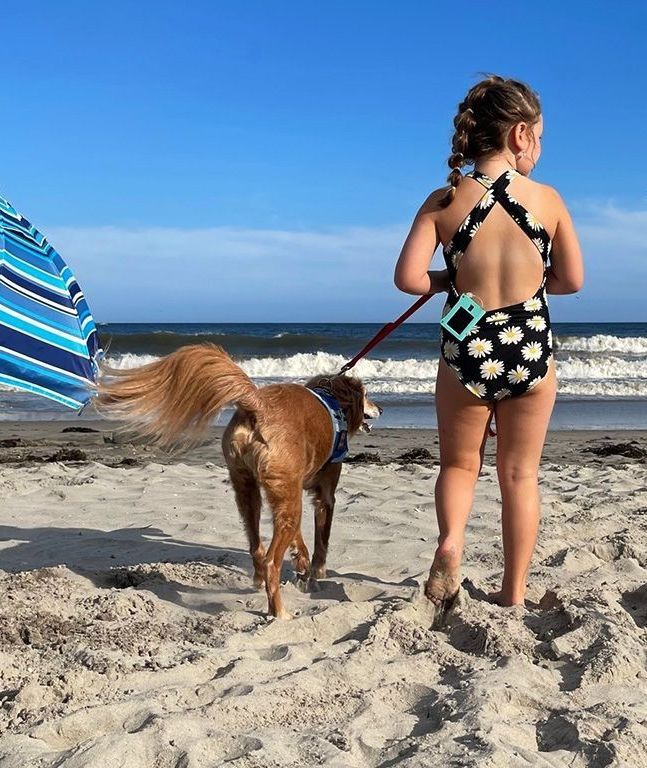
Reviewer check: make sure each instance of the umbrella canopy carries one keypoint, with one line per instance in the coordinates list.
(48, 340)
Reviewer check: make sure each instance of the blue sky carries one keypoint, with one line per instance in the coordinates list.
(233, 161)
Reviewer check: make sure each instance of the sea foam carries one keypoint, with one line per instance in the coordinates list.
(607, 376)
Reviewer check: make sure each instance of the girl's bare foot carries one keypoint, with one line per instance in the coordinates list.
(444, 575)
(504, 599)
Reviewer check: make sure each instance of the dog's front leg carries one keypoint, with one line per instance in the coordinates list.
(324, 504)
(300, 559)
(323, 524)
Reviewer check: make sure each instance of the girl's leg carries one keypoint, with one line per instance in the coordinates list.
(462, 430)
(522, 423)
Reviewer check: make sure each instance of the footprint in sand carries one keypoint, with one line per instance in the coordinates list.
(276, 653)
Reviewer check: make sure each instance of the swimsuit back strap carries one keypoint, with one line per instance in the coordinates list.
(496, 192)
(528, 224)
(478, 214)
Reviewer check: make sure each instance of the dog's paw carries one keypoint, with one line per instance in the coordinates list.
(300, 563)
(302, 582)
(313, 585)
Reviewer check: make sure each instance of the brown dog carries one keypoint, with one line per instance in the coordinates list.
(278, 440)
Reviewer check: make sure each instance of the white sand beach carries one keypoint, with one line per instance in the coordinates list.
(130, 633)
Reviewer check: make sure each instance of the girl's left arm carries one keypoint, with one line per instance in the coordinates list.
(412, 273)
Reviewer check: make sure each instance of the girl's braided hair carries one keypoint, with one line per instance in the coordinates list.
(490, 108)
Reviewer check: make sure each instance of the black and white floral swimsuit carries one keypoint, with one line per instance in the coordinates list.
(509, 351)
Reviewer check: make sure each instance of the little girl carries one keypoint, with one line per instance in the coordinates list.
(507, 242)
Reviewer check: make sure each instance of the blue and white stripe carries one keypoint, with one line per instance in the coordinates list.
(49, 343)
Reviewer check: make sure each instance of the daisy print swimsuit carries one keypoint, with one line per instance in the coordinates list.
(509, 351)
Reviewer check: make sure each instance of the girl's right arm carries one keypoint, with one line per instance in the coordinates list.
(566, 270)
(412, 273)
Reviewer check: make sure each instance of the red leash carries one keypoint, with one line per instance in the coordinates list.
(385, 331)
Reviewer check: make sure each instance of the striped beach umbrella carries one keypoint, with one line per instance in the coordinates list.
(48, 340)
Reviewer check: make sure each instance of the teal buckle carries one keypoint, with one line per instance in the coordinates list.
(463, 316)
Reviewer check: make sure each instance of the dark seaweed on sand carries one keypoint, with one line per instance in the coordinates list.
(630, 450)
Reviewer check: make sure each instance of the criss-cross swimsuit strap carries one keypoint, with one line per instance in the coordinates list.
(495, 191)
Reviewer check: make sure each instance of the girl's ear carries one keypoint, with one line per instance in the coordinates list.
(517, 140)
(524, 136)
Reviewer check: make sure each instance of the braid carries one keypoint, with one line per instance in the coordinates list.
(490, 107)
(463, 123)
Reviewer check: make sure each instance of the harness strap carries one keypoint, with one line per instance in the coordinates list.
(339, 447)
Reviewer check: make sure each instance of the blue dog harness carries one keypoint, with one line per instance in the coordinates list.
(339, 449)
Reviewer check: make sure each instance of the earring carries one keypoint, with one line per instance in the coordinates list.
(521, 154)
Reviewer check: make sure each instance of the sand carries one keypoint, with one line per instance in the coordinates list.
(130, 633)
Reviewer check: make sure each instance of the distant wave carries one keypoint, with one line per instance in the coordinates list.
(162, 342)
(421, 343)
(592, 375)
(306, 364)
(598, 368)
(163, 332)
(129, 360)
(627, 345)
(609, 376)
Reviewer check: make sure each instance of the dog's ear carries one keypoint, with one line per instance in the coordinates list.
(349, 390)
(320, 381)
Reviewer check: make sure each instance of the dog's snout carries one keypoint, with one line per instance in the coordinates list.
(371, 410)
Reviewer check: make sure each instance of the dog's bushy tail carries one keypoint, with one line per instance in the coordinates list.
(170, 402)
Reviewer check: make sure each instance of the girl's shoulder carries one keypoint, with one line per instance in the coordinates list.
(541, 193)
(435, 201)
(551, 195)
(547, 189)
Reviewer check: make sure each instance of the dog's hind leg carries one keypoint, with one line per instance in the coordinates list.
(248, 501)
(324, 504)
(285, 499)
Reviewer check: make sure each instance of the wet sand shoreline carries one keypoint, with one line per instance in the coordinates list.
(102, 441)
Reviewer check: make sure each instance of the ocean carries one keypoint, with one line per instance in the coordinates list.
(602, 367)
